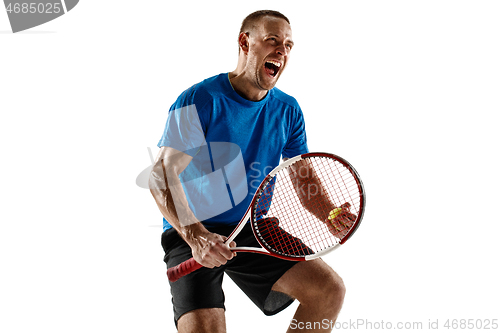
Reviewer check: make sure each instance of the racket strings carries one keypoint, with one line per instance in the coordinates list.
(294, 206)
(280, 240)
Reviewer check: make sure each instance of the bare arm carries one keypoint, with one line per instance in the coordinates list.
(208, 248)
(315, 199)
(310, 190)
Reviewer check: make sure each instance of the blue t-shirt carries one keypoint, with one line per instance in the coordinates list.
(234, 143)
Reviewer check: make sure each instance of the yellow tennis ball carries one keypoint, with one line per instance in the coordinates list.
(334, 213)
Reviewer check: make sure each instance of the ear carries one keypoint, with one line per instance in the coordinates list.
(243, 42)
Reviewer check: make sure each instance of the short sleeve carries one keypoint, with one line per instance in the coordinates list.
(183, 130)
(297, 139)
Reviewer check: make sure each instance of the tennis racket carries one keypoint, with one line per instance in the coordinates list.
(307, 206)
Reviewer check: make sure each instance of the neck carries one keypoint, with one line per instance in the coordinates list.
(245, 87)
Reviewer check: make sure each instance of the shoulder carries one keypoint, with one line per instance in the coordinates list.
(201, 93)
(285, 99)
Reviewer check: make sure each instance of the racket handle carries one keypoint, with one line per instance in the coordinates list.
(184, 268)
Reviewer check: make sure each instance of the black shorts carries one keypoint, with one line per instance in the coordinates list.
(255, 274)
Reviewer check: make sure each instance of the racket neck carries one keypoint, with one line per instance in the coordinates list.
(240, 226)
(249, 249)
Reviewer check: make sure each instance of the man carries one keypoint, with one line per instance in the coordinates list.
(241, 108)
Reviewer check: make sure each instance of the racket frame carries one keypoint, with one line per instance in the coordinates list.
(250, 213)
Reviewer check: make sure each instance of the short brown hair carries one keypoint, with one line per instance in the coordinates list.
(250, 21)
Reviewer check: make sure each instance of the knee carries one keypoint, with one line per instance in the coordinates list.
(208, 320)
(333, 290)
(314, 284)
(340, 289)
(326, 289)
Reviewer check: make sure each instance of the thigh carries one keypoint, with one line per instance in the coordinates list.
(203, 320)
(201, 289)
(255, 274)
(309, 281)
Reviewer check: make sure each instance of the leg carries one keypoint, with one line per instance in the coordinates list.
(203, 320)
(319, 290)
(198, 298)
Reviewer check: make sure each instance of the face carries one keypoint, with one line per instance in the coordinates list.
(269, 47)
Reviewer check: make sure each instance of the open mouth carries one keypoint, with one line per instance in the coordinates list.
(272, 67)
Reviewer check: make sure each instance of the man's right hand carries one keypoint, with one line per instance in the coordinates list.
(209, 249)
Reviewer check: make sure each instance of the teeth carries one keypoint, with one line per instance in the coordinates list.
(275, 63)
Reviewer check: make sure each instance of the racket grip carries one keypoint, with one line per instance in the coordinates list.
(184, 268)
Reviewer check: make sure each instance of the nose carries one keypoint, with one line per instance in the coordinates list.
(282, 50)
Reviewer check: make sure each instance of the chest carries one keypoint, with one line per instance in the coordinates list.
(248, 126)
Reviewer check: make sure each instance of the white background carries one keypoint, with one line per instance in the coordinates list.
(407, 91)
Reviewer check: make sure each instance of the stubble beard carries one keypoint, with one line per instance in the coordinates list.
(262, 80)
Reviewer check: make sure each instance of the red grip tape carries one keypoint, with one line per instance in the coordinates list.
(184, 268)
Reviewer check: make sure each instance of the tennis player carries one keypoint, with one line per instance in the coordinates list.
(244, 109)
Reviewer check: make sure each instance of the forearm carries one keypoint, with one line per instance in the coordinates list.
(170, 197)
(310, 191)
